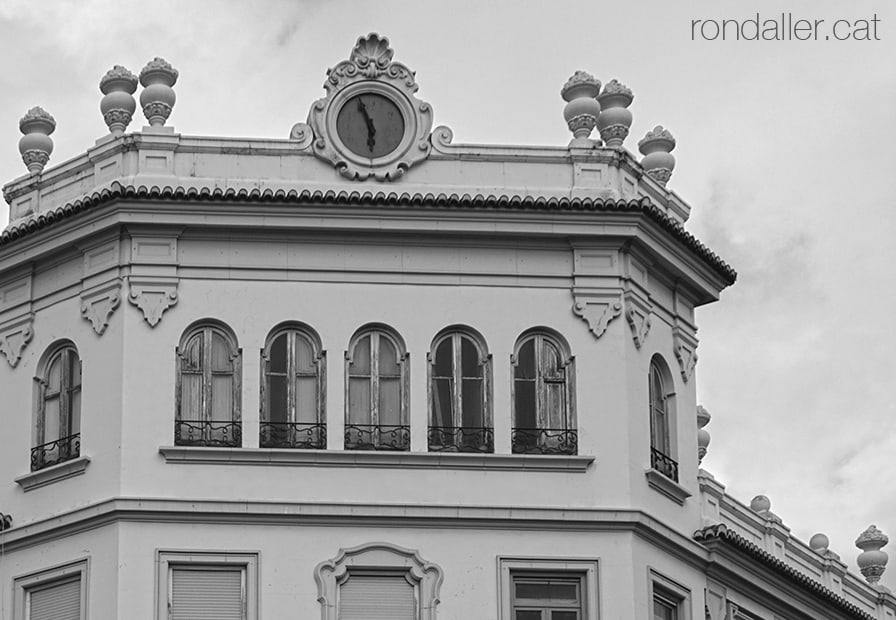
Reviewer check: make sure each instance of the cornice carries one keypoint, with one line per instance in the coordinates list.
(191, 455)
(719, 535)
(508, 203)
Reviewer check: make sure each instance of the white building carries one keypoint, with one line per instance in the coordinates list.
(365, 372)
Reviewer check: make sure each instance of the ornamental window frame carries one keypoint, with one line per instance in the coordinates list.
(481, 437)
(374, 435)
(25, 585)
(68, 395)
(543, 438)
(298, 432)
(215, 428)
(169, 560)
(662, 420)
(675, 596)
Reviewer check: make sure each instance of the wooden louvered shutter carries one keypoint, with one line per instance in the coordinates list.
(206, 593)
(60, 601)
(377, 597)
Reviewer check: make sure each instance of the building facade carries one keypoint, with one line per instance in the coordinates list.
(366, 372)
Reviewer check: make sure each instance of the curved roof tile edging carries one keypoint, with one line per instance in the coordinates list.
(392, 199)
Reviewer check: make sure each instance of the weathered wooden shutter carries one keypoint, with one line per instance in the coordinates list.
(206, 594)
(56, 602)
(377, 597)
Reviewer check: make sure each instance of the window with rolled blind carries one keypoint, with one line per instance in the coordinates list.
(207, 593)
(377, 597)
(57, 601)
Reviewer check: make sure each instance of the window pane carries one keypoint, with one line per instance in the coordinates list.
(524, 404)
(358, 401)
(538, 590)
(51, 419)
(191, 397)
(277, 356)
(75, 417)
(192, 353)
(306, 400)
(469, 356)
(472, 403)
(54, 375)
(663, 610)
(442, 403)
(444, 359)
(74, 368)
(220, 353)
(555, 403)
(304, 355)
(388, 359)
(528, 615)
(564, 615)
(525, 368)
(277, 410)
(361, 359)
(390, 401)
(551, 362)
(222, 398)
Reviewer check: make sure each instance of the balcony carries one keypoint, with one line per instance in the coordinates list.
(57, 451)
(461, 439)
(664, 464)
(208, 433)
(544, 441)
(377, 437)
(292, 435)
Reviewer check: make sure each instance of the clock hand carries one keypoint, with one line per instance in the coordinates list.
(371, 130)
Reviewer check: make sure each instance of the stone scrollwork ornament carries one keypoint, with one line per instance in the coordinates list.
(14, 336)
(597, 312)
(152, 297)
(98, 305)
(370, 124)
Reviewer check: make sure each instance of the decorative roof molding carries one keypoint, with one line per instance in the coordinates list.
(116, 191)
(720, 533)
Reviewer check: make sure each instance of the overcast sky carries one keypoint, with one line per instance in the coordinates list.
(786, 151)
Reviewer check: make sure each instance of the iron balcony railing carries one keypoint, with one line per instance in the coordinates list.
(377, 437)
(57, 451)
(544, 441)
(207, 433)
(461, 439)
(664, 464)
(292, 435)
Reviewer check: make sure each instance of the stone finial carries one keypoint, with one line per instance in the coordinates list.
(615, 119)
(117, 104)
(873, 560)
(819, 543)
(703, 437)
(157, 97)
(36, 145)
(582, 109)
(658, 160)
(761, 504)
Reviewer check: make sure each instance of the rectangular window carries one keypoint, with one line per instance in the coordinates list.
(377, 597)
(207, 586)
(669, 600)
(547, 589)
(54, 594)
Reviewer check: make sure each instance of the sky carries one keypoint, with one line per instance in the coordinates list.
(785, 152)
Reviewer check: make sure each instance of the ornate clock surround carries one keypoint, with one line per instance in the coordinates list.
(370, 69)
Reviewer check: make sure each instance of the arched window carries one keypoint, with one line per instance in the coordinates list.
(460, 403)
(543, 396)
(660, 397)
(57, 431)
(377, 381)
(293, 390)
(208, 387)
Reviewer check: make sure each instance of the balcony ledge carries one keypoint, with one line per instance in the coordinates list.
(359, 458)
(54, 473)
(658, 481)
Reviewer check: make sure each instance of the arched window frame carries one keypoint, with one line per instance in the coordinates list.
(546, 437)
(297, 431)
(661, 401)
(457, 437)
(210, 428)
(374, 435)
(66, 445)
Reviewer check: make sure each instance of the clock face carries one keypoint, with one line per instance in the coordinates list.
(370, 125)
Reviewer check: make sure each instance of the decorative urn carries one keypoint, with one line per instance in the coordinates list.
(615, 118)
(873, 560)
(117, 104)
(582, 108)
(36, 145)
(157, 97)
(658, 161)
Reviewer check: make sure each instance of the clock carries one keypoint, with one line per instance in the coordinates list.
(370, 125)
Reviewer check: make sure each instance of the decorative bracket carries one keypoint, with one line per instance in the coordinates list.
(14, 336)
(153, 297)
(98, 304)
(685, 345)
(638, 314)
(597, 310)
